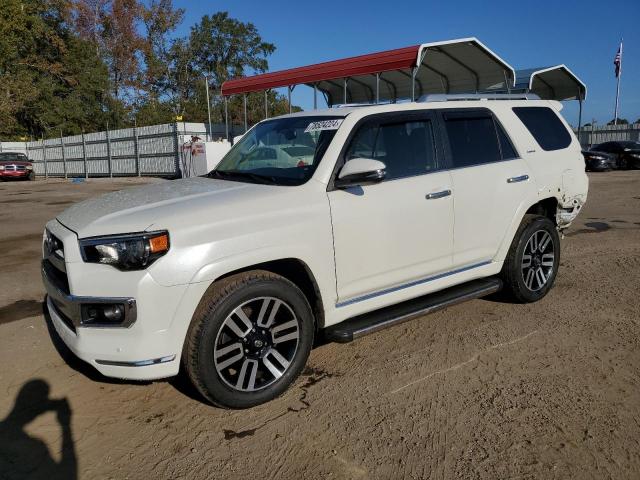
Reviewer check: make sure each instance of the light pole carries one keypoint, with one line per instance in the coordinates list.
(206, 81)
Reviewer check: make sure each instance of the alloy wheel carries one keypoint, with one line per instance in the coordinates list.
(256, 344)
(538, 260)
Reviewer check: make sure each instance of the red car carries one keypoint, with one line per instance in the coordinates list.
(15, 165)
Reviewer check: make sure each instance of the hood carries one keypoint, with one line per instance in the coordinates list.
(154, 206)
(15, 162)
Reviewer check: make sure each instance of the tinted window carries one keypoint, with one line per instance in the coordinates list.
(13, 157)
(603, 147)
(506, 147)
(472, 139)
(545, 126)
(406, 148)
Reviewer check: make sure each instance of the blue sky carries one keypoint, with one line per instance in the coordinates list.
(584, 35)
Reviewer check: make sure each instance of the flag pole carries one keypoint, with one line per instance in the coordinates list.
(615, 114)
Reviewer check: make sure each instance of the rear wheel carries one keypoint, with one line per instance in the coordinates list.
(249, 339)
(531, 266)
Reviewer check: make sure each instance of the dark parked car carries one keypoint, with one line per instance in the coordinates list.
(599, 161)
(15, 165)
(627, 154)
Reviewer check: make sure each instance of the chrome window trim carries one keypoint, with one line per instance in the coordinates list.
(413, 283)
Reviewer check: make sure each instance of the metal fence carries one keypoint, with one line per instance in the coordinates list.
(152, 150)
(593, 135)
(155, 150)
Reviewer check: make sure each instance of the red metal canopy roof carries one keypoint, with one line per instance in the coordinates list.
(398, 59)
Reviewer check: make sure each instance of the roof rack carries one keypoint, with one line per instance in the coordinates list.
(442, 97)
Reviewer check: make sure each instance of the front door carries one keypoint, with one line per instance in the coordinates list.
(400, 230)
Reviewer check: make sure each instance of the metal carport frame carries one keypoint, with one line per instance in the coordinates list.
(454, 66)
(557, 82)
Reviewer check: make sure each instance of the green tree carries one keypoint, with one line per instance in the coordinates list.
(49, 77)
(621, 121)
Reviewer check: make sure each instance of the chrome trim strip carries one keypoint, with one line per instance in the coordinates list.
(139, 363)
(386, 291)
(71, 305)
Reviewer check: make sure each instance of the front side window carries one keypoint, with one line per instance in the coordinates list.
(545, 126)
(472, 139)
(13, 157)
(282, 151)
(406, 148)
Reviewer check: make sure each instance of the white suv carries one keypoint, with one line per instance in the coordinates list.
(333, 223)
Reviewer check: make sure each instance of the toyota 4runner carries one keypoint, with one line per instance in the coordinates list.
(335, 223)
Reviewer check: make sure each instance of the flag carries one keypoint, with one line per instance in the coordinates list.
(617, 61)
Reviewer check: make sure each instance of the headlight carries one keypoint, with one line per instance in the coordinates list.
(126, 252)
(29, 167)
(1, 167)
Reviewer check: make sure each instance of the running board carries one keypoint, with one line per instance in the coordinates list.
(361, 325)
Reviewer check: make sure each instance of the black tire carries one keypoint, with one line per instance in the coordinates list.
(32, 176)
(210, 328)
(518, 282)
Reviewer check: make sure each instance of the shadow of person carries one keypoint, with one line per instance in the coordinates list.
(23, 456)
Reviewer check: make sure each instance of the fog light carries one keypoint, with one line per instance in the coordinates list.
(102, 314)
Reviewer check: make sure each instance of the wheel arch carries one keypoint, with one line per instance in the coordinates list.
(546, 207)
(294, 270)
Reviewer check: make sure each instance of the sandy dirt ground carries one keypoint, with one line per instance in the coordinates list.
(482, 390)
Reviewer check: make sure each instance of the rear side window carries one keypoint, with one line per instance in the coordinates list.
(472, 139)
(545, 126)
(406, 148)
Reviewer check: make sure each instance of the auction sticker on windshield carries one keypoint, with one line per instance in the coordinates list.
(332, 124)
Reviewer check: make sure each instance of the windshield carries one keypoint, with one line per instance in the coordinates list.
(13, 157)
(282, 151)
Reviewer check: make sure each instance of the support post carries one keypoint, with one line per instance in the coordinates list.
(289, 97)
(413, 83)
(44, 157)
(64, 156)
(226, 118)
(506, 81)
(245, 111)
(84, 156)
(206, 82)
(136, 147)
(377, 88)
(109, 152)
(266, 106)
(579, 115)
(315, 96)
(344, 91)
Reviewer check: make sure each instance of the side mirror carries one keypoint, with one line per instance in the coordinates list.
(360, 172)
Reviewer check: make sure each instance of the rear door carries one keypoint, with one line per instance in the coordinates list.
(490, 181)
(398, 231)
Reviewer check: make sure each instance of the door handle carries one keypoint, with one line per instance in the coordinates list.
(433, 196)
(521, 178)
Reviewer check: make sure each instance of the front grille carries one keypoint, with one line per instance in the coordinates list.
(58, 277)
(65, 319)
(14, 168)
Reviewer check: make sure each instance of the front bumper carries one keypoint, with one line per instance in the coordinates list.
(15, 173)
(149, 346)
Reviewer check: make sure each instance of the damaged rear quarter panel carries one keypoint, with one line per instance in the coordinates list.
(575, 186)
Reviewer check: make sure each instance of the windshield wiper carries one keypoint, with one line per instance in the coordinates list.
(256, 177)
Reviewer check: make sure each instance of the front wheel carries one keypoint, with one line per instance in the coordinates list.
(531, 266)
(249, 339)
